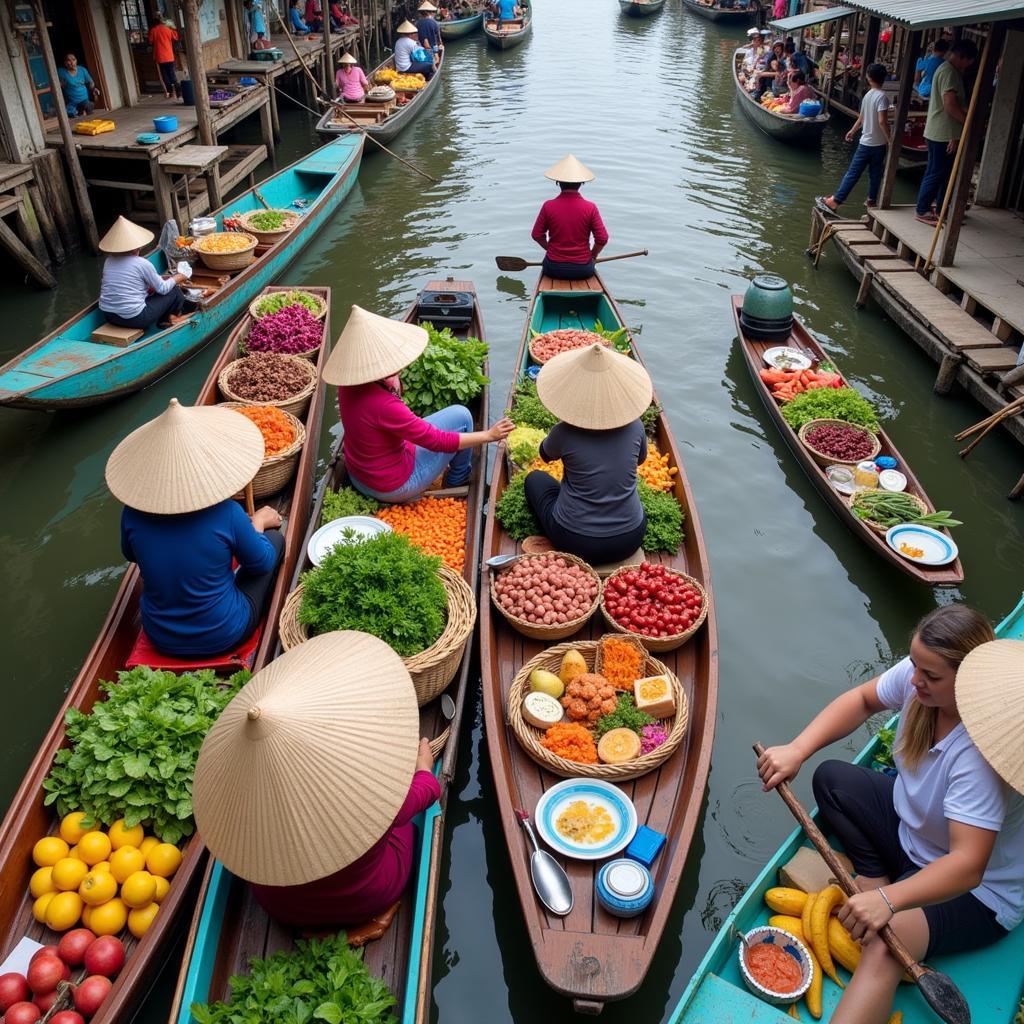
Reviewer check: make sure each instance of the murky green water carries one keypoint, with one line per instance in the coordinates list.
(804, 609)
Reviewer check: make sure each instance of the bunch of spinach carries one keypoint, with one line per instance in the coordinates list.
(321, 980)
(448, 372)
(830, 404)
(346, 501)
(514, 512)
(527, 409)
(664, 519)
(134, 755)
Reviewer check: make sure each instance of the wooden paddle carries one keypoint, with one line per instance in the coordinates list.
(516, 263)
(937, 988)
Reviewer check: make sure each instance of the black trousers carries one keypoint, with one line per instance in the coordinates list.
(569, 271)
(158, 309)
(255, 587)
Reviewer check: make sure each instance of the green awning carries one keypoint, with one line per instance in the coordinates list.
(818, 17)
(919, 14)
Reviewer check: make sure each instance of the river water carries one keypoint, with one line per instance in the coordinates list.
(804, 609)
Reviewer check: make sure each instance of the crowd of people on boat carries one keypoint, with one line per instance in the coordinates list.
(777, 66)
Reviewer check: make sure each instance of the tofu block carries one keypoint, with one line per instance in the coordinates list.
(655, 695)
(807, 871)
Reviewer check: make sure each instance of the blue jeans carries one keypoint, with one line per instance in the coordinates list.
(430, 465)
(936, 176)
(871, 157)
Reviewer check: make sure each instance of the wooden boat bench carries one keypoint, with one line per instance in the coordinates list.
(110, 334)
(243, 656)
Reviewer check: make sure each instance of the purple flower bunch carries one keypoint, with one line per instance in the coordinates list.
(290, 331)
(652, 737)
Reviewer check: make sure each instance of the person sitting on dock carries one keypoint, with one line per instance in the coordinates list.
(314, 16)
(162, 37)
(406, 47)
(799, 91)
(350, 80)
(341, 14)
(80, 91)
(176, 476)
(297, 25)
(428, 29)
(927, 65)
(256, 25)
(566, 224)
(939, 849)
(392, 454)
(595, 512)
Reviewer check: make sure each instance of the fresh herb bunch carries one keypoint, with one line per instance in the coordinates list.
(268, 220)
(320, 980)
(650, 416)
(886, 738)
(527, 409)
(664, 519)
(449, 372)
(346, 501)
(626, 716)
(830, 404)
(524, 444)
(385, 586)
(134, 754)
(513, 511)
(619, 338)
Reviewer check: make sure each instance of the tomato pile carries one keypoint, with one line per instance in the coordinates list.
(545, 346)
(652, 601)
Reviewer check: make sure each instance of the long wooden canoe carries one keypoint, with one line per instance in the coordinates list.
(801, 338)
(229, 927)
(503, 35)
(27, 819)
(989, 978)
(457, 28)
(640, 8)
(740, 14)
(791, 128)
(381, 120)
(68, 370)
(590, 956)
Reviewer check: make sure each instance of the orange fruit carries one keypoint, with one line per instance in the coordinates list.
(75, 855)
(49, 850)
(163, 887)
(63, 911)
(41, 882)
(40, 906)
(163, 860)
(141, 918)
(121, 835)
(147, 844)
(86, 912)
(126, 861)
(71, 827)
(104, 865)
(97, 887)
(138, 889)
(67, 874)
(108, 918)
(94, 847)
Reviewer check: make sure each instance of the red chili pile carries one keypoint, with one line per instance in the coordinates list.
(545, 346)
(652, 601)
(546, 590)
(848, 443)
(269, 377)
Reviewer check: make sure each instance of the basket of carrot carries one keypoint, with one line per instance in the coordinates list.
(283, 438)
(437, 525)
(785, 385)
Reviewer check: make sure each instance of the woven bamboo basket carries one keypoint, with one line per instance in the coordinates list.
(538, 631)
(529, 737)
(431, 670)
(297, 404)
(827, 460)
(227, 260)
(277, 470)
(310, 356)
(320, 314)
(878, 527)
(659, 643)
(598, 340)
(269, 237)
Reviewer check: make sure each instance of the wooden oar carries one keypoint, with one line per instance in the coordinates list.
(259, 195)
(937, 988)
(516, 263)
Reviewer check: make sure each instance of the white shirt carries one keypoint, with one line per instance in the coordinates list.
(126, 282)
(874, 103)
(403, 53)
(955, 783)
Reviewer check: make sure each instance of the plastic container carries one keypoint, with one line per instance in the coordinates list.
(247, 80)
(793, 947)
(768, 300)
(202, 226)
(865, 474)
(188, 92)
(841, 478)
(164, 124)
(645, 845)
(892, 480)
(810, 108)
(886, 462)
(624, 887)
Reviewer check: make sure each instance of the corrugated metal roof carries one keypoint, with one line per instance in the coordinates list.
(812, 18)
(918, 14)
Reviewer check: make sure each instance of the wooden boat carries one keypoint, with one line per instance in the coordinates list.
(668, 799)
(505, 34)
(801, 338)
(791, 128)
(640, 8)
(67, 370)
(381, 120)
(990, 978)
(457, 28)
(724, 12)
(27, 819)
(229, 927)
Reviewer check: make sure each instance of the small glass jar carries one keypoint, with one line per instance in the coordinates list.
(865, 474)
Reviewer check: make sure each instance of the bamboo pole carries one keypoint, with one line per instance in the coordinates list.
(325, 11)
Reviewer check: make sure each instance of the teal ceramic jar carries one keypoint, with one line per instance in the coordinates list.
(768, 299)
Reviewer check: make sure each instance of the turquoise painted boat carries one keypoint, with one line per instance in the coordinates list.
(505, 35)
(68, 370)
(990, 979)
(459, 27)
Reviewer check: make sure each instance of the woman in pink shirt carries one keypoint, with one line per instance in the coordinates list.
(391, 453)
(799, 91)
(566, 224)
(350, 80)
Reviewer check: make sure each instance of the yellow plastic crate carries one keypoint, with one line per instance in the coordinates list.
(95, 127)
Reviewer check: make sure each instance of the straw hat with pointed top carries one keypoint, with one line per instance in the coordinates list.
(188, 458)
(372, 347)
(594, 388)
(308, 765)
(990, 699)
(347, 58)
(426, 6)
(569, 170)
(406, 27)
(125, 236)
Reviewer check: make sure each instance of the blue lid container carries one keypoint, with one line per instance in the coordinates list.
(810, 108)
(645, 845)
(886, 462)
(247, 80)
(624, 887)
(533, 371)
(768, 300)
(166, 123)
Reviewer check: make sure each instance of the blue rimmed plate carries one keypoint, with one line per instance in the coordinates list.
(596, 794)
(936, 547)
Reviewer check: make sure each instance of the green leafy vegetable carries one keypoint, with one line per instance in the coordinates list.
(514, 513)
(268, 220)
(276, 301)
(346, 501)
(385, 586)
(321, 980)
(524, 444)
(895, 509)
(883, 756)
(449, 372)
(664, 520)
(619, 338)
(830, 404)
(626, 716)
(650, 416)
(527, 409)
(133, 756)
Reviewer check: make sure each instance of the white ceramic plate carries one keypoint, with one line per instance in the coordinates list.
(783, 357)
(596, 793)
(937, 547)
(331, 534)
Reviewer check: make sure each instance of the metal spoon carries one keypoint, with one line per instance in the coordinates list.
(447, 707)
(500, 561)
(549, 879)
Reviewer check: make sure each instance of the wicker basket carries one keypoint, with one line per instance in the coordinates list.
(431, 670)
(227, 260)
(322, 312)
(828, 460)
(269, 237)
(597, 340)
(296, 405)
(310, 356)
(878, 527)
(659, 643)
(562, 629)
(277, 470)
(529, 736)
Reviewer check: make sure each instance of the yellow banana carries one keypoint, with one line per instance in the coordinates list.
(805, 915)
(793, 1011)
(843, 948)
(793, 925)
(828, 898)
(786, 901)
(813, 995)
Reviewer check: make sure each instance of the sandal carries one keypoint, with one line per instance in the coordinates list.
(821, 204)
(927, 218)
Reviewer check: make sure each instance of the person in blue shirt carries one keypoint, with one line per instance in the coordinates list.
(298, 26)
(928, 65)
(506, 10)
(428, 29)
(80, 92)
(176, 476)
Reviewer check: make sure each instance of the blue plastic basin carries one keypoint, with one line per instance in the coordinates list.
(165, 124)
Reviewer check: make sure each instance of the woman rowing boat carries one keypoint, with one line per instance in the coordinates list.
(939, 851)
(392, 454)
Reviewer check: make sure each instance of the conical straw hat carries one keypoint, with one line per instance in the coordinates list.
(347, 58)
(594, 388)
(569, 170)
(406, 27)
(189, 457)
(373, 347)
(426, 6)
(990, 699)
(308, 765)
(125, 236)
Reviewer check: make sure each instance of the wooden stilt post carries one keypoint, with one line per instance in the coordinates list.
(1018, 490)
(833, 70)
(328, 55)
(78, 184)
(197, 72)
(28, 226)
(21, 255)
(947, 373)
(908, 60)
(865, 289)
(46, 222)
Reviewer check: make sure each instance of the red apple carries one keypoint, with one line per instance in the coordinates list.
(67, 1017)
(90, 994)
(22, 1013)
(45, 972)
(105, 956)
(13, 989)
(43, 951)
(71, 948)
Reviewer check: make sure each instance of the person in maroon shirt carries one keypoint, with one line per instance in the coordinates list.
(567, 223)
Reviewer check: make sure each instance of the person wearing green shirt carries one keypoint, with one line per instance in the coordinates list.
(946, 115)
